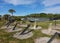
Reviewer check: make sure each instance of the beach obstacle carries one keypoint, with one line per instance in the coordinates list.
(52, 38)
(24, 34)
(24, 31)
(14, 26)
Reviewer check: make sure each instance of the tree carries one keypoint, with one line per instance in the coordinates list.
(50, 16)
(0, 17)
(43, 15)
(6, 16)
(34, 15)
(11, 11)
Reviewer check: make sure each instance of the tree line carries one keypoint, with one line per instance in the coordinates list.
(49, 15)
(36, 15)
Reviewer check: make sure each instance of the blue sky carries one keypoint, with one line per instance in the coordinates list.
(25, 7)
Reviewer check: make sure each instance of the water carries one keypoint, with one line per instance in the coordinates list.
(38, 19)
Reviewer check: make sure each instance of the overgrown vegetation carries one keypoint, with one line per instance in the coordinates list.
(6, 37)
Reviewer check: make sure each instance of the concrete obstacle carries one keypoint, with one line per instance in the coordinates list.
(13, 29)
(52, 38)
(24, 34)
(10, 20)
(49, 31)
(35, 28)
(45, 40)
(56, 27)
(23, 25)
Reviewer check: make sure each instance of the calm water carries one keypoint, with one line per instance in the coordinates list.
(38, 19)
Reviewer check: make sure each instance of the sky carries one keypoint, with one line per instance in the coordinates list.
(25, 7)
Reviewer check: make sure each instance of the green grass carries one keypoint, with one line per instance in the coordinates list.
(2, 23)
(6, 37)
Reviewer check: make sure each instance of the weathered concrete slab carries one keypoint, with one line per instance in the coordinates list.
(35, 28)
(25, 36)
(49, 33)
(22, 25)
(11, 30)
(50, 30)
(56, 27)
(5, 27)
(45, 40)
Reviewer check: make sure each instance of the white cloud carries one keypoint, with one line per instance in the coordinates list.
(52, 10)
(50, 2)
(20, 2)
